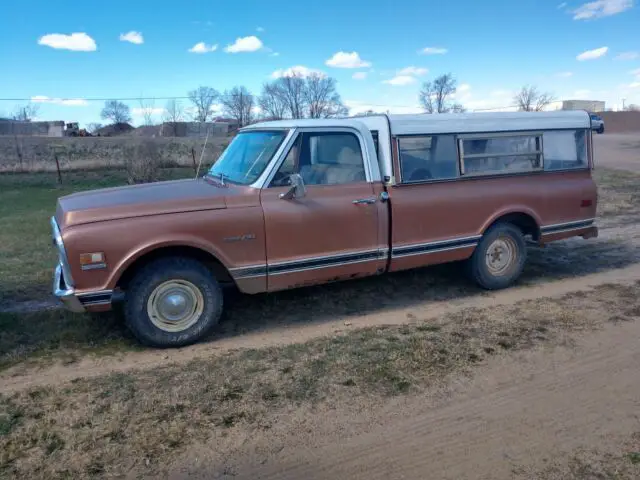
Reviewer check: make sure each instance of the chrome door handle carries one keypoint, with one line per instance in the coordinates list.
(364, 201)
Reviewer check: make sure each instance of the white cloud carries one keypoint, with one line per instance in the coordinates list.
(78, 42)
(417, 71)
(601, 8)
(464, 87)
(132, 37)
(433, 51)
(274, 54)
(592, 54)
(202, 47)
(245, 44)
(139, 112)
(401, 80)
(298, 70)
(626, 56)
(69, 102)
(359, 75)
(347, 60)
(635, 72)
(259, 29)
(634, 85)
(564, 74)
(562, 5)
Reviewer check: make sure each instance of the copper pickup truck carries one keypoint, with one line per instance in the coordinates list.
(293, 203)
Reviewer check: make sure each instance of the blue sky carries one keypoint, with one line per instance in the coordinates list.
(374, 49)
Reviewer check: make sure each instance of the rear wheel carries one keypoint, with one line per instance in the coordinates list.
(172, 302)
(601, 129)
(499, 258)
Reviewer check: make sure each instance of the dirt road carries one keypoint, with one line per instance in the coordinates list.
(511, 417)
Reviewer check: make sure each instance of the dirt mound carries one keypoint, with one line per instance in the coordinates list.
(146, 131)
(114, 129)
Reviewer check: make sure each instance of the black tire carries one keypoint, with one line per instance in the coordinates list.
(601, 129)
(157, 273)
(478, 267)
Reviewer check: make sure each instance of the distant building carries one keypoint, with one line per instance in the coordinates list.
(34, 129)
(589, 105)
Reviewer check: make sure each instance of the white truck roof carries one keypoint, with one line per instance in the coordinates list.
(449, 122)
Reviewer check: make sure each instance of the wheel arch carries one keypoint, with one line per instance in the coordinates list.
(125, 273)
(525, 219)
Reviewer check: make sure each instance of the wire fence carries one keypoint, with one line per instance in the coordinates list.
(68, 157)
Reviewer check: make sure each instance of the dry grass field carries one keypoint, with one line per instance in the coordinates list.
(37, 154)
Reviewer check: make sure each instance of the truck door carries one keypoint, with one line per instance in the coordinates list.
(338, 229)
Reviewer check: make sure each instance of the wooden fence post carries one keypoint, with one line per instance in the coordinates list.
(193, 156)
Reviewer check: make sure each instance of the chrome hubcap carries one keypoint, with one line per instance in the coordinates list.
(501, 256)
(176, 305)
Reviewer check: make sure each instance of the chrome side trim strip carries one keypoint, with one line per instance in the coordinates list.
(559, 226)
(318, 267)
(428, 251)
(564, 230)
(310, 263)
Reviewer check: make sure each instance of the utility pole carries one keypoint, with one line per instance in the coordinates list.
(623, 100)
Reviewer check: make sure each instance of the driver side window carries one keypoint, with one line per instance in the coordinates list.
(323, 158)
(425, 158)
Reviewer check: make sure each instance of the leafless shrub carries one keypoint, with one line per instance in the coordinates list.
(142, 162)
(529, 99)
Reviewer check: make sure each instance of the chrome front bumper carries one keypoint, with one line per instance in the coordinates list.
(78, 302)
(65, 294)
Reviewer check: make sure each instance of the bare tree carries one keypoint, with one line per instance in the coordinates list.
(435, 95)
(146, 108)
(321, 98)
(529, 99)
(272, 102)
(93, 127)
(116, 111)
(26, 113)
(203, 99)
(238, 104)
(173, 114)
(291, 90)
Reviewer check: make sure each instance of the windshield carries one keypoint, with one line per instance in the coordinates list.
(246, 157)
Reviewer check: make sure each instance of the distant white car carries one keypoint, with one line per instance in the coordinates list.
(597, 123)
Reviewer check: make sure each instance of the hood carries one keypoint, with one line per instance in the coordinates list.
(139, 200)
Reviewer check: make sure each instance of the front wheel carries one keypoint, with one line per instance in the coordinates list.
(172, 302)
(499, 258)
(601, 129)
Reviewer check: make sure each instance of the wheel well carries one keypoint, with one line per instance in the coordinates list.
(217, 268)
(526, 223)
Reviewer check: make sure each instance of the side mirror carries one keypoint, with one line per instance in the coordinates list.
(297, 189)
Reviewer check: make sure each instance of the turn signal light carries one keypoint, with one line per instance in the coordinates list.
(90, 261)
(586, 203)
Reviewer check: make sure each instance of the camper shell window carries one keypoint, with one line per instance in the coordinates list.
(490, 154)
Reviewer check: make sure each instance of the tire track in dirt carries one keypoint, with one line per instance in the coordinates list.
(513, 415)
(21, 376)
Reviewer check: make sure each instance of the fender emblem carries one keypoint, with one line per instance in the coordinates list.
(240, 238)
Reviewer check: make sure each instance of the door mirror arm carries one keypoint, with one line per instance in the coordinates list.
(297, 189)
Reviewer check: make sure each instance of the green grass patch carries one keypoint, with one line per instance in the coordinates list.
(60, 335)
(27, 201)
